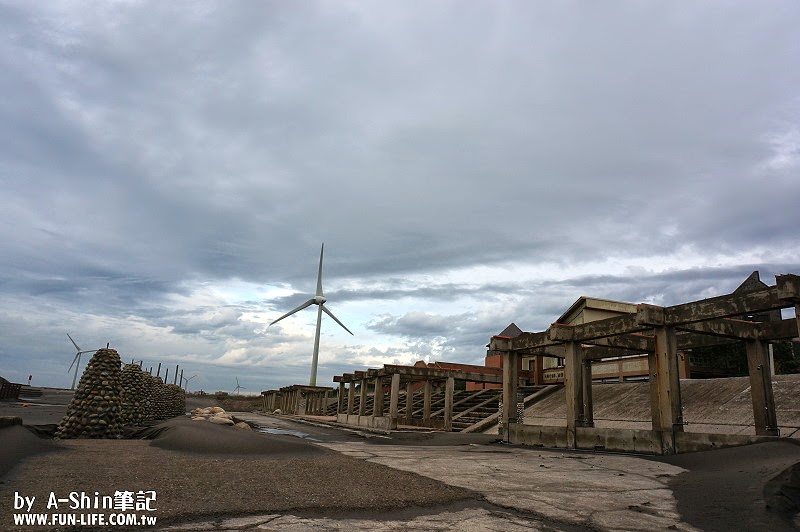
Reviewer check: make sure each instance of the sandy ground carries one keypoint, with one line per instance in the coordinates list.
(205, 471)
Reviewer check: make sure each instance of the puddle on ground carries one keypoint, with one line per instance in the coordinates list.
(287, 432)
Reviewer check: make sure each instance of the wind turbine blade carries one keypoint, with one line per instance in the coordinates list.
(319, 273)
(73, 342)
(329, 313)
(301, 307)
(73, 362)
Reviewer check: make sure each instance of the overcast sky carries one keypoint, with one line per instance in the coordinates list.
(169, 170)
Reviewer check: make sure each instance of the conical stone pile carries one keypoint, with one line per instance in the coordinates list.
(96, 409)
(135, 396)
(177, 400)
(160, 399)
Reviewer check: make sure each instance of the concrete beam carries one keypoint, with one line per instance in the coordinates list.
(788, 288)
(632, 342)
(510, 384)
(409, 402)
(736, 304)
(573, 389)
(394, 396)
(426, 403)
(726, 328)
(665, 389)
(492, 375)
(377, 400)
(448, 404)
(781, 330)
(362, 398)
(766, 422)
(351, 398)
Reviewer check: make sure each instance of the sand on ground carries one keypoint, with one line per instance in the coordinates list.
(201, 471)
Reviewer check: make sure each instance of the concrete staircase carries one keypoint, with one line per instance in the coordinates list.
(472, 410)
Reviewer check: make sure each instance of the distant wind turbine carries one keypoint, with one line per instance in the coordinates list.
(236, 390)
(318, 300)
(77, 360)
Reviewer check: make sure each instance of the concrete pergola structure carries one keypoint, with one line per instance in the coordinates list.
(298, 399)
(406, 378)
(660, 332)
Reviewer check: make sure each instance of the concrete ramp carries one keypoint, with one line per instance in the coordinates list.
(716, 406)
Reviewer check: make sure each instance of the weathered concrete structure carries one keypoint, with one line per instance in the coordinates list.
(401, 384)
(660, 332)
(298, 399)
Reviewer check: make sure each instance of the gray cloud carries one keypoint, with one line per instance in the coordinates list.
(138, 163)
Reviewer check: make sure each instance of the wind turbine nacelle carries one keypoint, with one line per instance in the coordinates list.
(319, 300)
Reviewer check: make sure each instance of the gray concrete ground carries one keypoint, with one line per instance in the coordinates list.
(529, 489)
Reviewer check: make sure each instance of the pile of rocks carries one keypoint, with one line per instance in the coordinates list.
(159, 397)
(136, 409)
(176, 398)
(96, 409)
(218, 416)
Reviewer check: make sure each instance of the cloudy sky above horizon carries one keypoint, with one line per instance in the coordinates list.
(168, 171)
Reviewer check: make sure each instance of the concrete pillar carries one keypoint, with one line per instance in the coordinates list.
(766, 421)
(448, 403)
(666, 390)
(573, 374)
(426, 405)
(362, 398)
(394, 397)
(409, 402)
(351, 398)
(340, 400)
(510, 386)
(588, 404)
(538, 370)
(377, 403)
(683, 365)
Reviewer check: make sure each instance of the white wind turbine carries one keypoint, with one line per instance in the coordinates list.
(318, 300)
(77, 360)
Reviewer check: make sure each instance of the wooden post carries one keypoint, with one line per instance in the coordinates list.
(667, 389)
(158, 372)
(764, 416)
(573, 390)
(538, 370)
(362, 398)
(426, 404)
(510, 386)
(409, 402)
(351, 398)
(588, 404)
(448, 403)
(377, 403)
(175, 379)
(340, 400)
(394, 397)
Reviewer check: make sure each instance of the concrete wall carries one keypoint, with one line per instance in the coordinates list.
(624, 440)
(383, 423)
(718, 406)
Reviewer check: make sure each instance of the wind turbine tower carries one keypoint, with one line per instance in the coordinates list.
(77, 360)
(319, 300)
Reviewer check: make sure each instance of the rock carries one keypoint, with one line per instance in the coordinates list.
(243, 426)
(220, 420)
(95, 410)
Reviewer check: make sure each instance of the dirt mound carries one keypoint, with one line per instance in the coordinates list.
(19, 443)
(207, 438)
